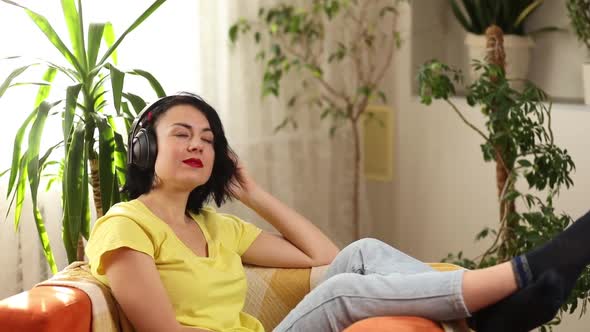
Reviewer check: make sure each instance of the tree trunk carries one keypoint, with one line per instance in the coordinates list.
(497, 56)
(356, 180)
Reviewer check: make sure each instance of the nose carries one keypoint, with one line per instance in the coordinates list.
(196, 145)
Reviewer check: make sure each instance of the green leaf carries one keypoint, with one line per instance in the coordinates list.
(120, 156)
(511, 195)
(136, 101)
(33, 151)
(44, 238)
(257, 37)
(76, 30)
(117, 79)
(50, 33)
(233, 33)
(43, 160)
(20, 189)
(526, 12)
(95, 33)
(4, 172)
(16, 157)
(524, 163)
(15, 73)
(44, 91)
(105, 161)
(33, 176)
(134, 25)
(74, 182)
(69, 112)
(127, 113)
(109, 38)
(152, 80)
(29, 83)
(85, 218)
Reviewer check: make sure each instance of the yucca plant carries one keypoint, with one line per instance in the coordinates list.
(93, 145)
(476, 15)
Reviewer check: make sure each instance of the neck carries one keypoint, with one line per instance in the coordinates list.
(168, 205)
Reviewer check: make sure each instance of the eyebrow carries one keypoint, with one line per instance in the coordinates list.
(187, 126)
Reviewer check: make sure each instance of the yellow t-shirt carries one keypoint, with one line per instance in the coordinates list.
(206, 292)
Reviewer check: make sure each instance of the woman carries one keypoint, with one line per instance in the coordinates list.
(175, 265)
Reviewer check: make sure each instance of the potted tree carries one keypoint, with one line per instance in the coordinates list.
(579, 14)
(518, 137)
(291, 38)
(476, 15)
(92, 141)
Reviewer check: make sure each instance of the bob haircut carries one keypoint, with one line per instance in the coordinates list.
(223, 175)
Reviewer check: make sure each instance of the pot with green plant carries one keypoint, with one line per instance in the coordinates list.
(93, 128)
(519, 138)
(579, 14)
(475, 16)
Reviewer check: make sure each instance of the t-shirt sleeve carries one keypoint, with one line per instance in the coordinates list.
(113, 233)
(238, 233)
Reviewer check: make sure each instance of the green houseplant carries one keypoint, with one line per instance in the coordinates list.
(518, 137)
(293, 39)
(93, 145)
(579, 14)
(475, 16)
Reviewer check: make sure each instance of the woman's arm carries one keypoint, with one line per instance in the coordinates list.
(137, 287)
(303, 244)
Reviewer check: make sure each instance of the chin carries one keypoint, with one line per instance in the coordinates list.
(190, 184)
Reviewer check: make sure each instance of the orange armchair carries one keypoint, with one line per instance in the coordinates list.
(74, 301)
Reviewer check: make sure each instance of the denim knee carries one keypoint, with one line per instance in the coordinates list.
(367, 242)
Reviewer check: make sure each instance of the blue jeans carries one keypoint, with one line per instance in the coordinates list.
(369, 278)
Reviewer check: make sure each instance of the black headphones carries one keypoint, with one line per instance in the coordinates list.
(142, 144)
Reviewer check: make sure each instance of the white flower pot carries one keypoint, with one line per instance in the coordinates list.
(586, 75)
(518, 55)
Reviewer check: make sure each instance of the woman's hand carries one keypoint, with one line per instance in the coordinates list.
(245, 186)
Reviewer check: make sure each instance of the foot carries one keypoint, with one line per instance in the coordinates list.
(524, 310)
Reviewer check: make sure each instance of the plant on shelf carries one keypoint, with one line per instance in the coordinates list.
(93, 145)
(294, 39)
(579, 14)
(510, 15)
(519, 139)
(475, 16)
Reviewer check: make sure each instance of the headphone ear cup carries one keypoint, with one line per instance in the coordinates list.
(152, 148)
(144, 149)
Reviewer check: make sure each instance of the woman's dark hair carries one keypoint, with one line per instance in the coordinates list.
(219, 186)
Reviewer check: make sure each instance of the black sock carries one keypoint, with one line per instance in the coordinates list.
(526, 309)
(568, 253)
(569, 250)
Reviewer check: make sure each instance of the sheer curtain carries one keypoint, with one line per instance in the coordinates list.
(304, 168)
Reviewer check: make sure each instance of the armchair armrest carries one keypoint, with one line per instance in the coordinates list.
(46, 309)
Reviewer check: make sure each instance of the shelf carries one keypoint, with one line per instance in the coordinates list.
(556, 63)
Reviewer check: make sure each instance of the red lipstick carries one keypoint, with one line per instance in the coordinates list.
(193, 162)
